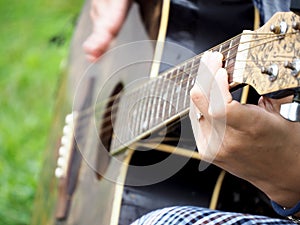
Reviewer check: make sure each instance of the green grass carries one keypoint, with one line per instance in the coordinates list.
(34, 40)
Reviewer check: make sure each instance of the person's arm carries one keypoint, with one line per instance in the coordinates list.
(250, 141)
(107, 17)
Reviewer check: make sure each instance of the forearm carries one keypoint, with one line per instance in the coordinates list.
(258, 144)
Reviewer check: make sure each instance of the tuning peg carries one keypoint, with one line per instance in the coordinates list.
(272, 71)
(296, 25)
(279, 29)
(294, 66)
(291, 111)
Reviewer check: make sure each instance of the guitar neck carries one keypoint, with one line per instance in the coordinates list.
(163, 99)
(267, 59)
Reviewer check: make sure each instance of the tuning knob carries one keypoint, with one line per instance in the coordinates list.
(272, 71)
(279, 29)
(291, 111)
(294, 66)
(296, 25)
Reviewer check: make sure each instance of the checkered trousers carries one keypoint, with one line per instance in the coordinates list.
(188, 215)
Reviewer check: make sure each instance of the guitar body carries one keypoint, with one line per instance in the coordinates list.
(97, 186)
(81, 197)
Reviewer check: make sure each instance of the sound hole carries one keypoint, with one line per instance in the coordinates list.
(106, 131)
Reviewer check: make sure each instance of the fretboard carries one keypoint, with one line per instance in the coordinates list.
(162, 99)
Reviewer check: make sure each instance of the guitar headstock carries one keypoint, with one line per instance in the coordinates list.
(268, 58)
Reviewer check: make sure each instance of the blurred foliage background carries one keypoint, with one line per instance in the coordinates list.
(35, 37)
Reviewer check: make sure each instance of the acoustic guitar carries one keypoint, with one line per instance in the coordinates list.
(127, 147)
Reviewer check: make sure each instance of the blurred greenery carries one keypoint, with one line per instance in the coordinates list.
(35, 36)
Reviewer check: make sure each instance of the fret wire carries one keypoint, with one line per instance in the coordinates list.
(189, 64)
(228, 54)
(141, 109)
(188, 83)
(134, 116)
(196, 64)
(225, 52)
(154, 99)
(182, 86)
(151, 100)
(147, 100)
(115, 130)
(233, 51)
(154, 106)
(194, 71)
(158, 102)
(166, 94)
(220, 48)
(125, 135)
(172, 93)
(137, 111)
(118, 128)
(178, 89)
(122, 128)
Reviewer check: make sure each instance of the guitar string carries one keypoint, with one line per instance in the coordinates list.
(110, 116)
(112, 98)
(176, 111)
(107, 110)
(139, 130)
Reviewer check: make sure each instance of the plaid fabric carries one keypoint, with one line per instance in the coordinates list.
(188, 215)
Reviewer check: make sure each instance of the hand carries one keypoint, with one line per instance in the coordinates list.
(107, 17)
(250, 141)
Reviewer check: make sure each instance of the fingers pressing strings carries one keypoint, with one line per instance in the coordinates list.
(200, 93)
